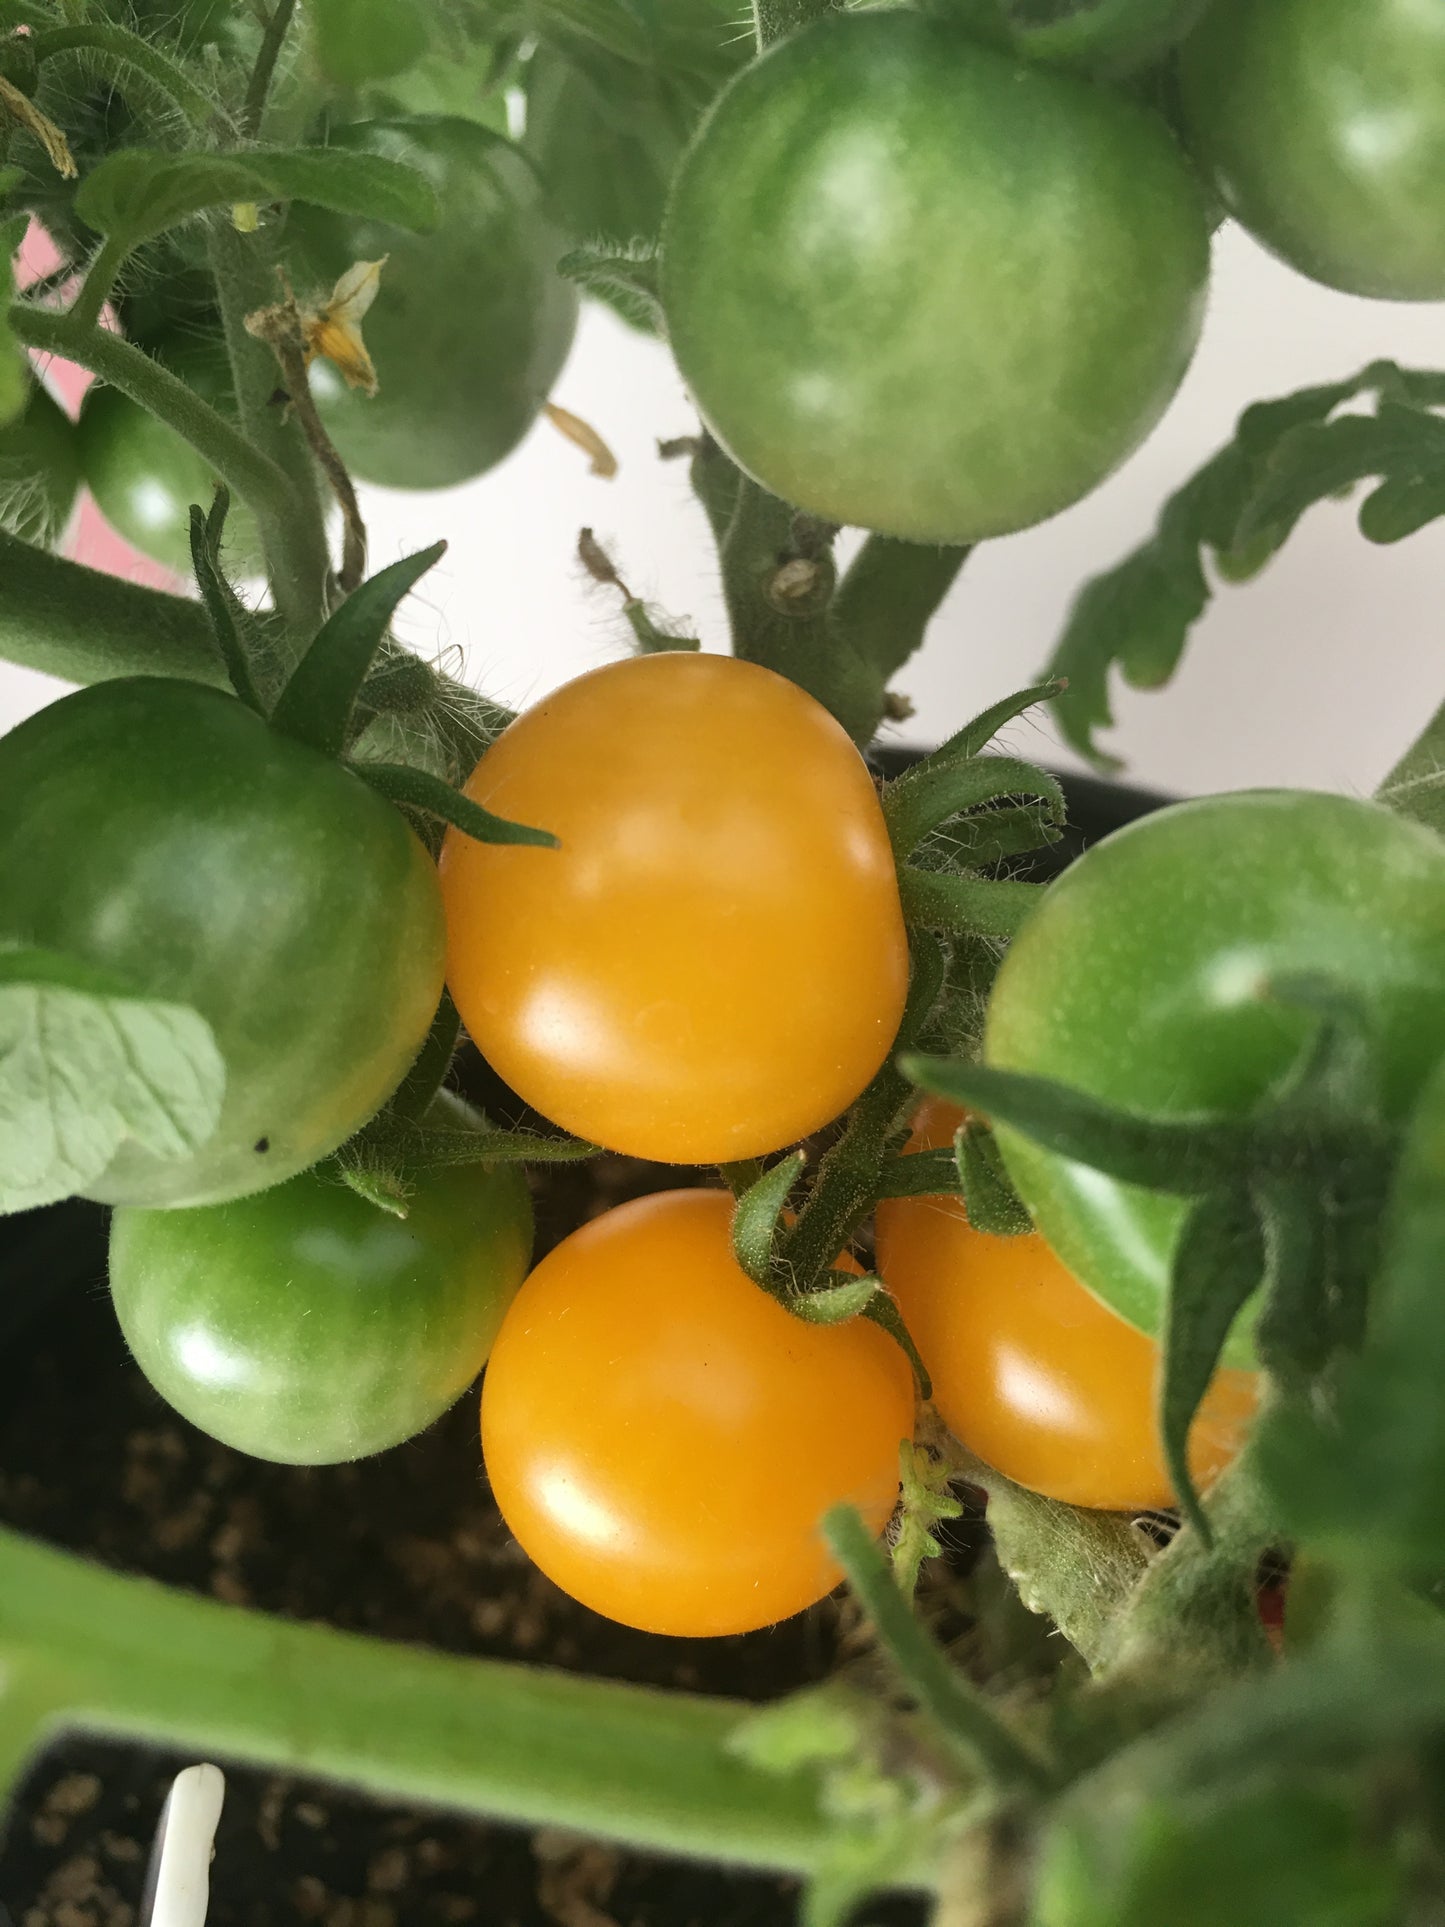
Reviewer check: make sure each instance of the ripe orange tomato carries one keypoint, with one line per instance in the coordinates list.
(1031, 1371)
(714, 962)
(663, 1438)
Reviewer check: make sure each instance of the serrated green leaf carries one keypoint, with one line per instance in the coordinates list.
(1218, 1266)
(759, 1214)
(85, 1066)
(1286, 455)
(138, 193)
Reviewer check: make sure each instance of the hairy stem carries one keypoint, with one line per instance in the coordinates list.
(254, 110)
(1415, 787)
(100, 278)
(891, 593)
(129, 50)
(246, 471)
(86, 627)
(88, 1648)
(774, 18)
(297, 559)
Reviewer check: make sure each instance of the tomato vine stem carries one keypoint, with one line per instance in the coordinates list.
(84, 1647)
(774, 18)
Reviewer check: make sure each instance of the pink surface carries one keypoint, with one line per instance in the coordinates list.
(91, 539)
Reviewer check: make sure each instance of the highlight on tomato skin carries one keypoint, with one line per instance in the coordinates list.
(1031, 1371)
(713, 962)
(663, 1438)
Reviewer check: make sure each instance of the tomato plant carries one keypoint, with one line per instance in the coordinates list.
(472, 324)
(851, 249)
(680, 1490)
(209, 861)
(144, 476)
(714, 963)
(305, 1324)
(1146, 978)
(1030, 1370)
(39, 469)
(1322, 123)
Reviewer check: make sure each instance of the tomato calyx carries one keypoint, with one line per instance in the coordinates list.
(1287, 1202)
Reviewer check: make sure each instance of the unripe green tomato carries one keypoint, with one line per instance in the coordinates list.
(308, 1326)
(39, 469)
(919, 286)
(161, 833)
(144, 476)
(1323, 123)
(472, 323)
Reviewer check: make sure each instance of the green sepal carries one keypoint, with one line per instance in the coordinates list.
(222, 605)
(882, 1310)
(85, 1066)
(137, 193)
(418, 789)
(992, 836)
(316, 705)
(976, 735)
(613, 273)
(946, 785)
(926, 1499)
(1218, 1266)
(1185, 1156)
(989, 1198)
(920, 1174)
(758, 1216)
(965, 906)
(841, 1296)
(427, 1075)
(455, 1134)
(384, 1188)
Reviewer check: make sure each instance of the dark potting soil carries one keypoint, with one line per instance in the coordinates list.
(407, 1546)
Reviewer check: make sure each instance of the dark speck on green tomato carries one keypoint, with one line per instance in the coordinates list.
(162, 833)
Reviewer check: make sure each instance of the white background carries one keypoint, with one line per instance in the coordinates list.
(1318, 674)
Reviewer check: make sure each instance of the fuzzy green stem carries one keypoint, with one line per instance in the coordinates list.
(122, 48)
(774, 18)
(890, 594)
(974, 1732)
(297, 558)
(253, 113)
(86, 627)
(247, 472)
(100, 278)
(1415, 787)
(84, 1647)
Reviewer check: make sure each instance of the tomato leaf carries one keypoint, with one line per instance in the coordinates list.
(1238, 511)
(137, 193)
(1185, 1156)
(1364, 1477)
(1218, 1266)
(316, 705)
(86, 1067)
(356, 41)
(993, 1206)
(624, 275)
(418, 789)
